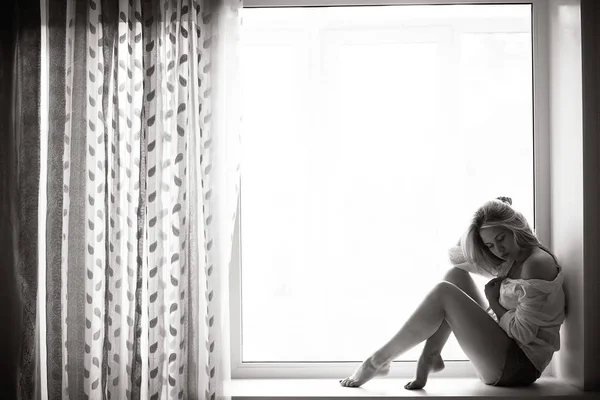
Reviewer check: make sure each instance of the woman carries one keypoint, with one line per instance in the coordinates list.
(513, 346)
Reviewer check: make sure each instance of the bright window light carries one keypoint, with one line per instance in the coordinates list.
(371, 135)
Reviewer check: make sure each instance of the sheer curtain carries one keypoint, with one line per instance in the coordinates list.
(142, 187)
(19, 188)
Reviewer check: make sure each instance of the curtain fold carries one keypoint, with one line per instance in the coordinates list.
(27, 127)
(56, 28)
(227, 114)
(19, 171)
(9, 233)
(142, 193)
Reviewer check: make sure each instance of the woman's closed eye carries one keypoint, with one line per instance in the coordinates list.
(498, 240)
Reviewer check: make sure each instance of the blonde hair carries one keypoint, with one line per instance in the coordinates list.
(497, 212)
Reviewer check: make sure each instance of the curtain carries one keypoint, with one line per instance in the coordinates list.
(142, 188)
(19, 185)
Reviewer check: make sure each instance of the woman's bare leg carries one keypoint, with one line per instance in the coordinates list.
(431, 358)
(480, 337)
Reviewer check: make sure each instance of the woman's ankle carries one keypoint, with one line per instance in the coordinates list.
(430, 355)
(379, 360)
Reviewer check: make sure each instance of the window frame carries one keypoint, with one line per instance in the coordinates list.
(541, 159)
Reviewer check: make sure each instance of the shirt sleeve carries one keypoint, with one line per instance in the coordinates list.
(456, 256)
(458, 260)
(520, 323)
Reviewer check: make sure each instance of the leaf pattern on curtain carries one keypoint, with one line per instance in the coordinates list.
(207, 343)
(169, 131)
(95, 232)
(137, 201)
(124, 275)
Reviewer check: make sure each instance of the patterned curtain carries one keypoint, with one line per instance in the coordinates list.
(142, 192)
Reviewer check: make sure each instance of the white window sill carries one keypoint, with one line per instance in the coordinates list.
(392, 388)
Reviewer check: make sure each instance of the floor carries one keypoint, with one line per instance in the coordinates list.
(246, 389)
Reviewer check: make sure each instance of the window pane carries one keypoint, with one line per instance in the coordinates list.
(371, 135)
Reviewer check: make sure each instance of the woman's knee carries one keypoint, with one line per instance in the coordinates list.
(464, 281)
(457, 276)
(445, 288)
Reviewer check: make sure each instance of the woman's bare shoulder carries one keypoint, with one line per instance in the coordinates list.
(540, 265)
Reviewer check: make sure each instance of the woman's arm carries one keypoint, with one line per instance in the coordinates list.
(492, 294)
(520, 323)
(497, 308)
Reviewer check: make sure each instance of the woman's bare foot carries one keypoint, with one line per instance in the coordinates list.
(425, 365)
(364, 373)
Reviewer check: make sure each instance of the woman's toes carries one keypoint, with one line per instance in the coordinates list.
(414, 385)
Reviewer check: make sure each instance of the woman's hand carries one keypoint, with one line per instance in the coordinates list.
(492, 289)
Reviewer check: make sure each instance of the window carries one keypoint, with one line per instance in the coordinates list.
(371, 134)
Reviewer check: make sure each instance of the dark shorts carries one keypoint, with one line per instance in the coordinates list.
(518, 369)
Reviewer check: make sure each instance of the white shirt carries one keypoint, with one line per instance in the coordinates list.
(536, 310)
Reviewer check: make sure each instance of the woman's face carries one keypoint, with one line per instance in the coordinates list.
(500, 241)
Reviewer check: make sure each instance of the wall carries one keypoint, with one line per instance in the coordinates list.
(574, 84)
(590, 33)
(566, 142)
